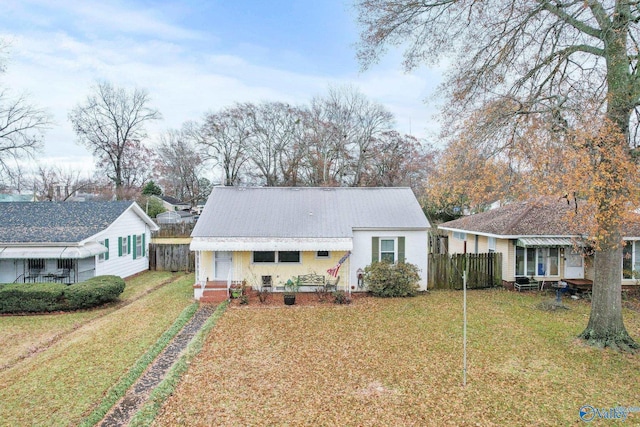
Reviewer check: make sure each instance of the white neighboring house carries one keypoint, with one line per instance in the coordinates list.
(266, 235)
(70, 242)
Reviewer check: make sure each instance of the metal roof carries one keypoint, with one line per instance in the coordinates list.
(306, 212)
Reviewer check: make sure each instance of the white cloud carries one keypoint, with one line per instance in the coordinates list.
(57, 67)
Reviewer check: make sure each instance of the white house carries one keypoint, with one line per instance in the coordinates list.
(72, 241)
(267, 235)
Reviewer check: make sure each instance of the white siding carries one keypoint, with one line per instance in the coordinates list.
(129, 224)
(9, 270)
(415, 251)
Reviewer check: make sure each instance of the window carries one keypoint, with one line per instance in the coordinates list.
(322, 254)
(65, 264)
(388, 250)
(630, 259)
(273, 257)
(459, 235)
(123, 248)
(139, 246)
(537, 261)
(289, 256)
(264, 256)
(491, 243)
(104, 256)
(36, 264)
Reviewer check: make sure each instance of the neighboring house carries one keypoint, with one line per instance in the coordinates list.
(175, 217)
(268, 235)
(72, 241)
(539, 239)
(173, 204)
(17, 197)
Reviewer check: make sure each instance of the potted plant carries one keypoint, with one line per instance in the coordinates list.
(290, 290)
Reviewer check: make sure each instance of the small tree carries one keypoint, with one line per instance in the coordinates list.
(384, 279)
(153, 206)
(151, 189)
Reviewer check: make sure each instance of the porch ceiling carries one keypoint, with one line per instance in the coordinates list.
(52, 252)
(270, 244)
(545, 241)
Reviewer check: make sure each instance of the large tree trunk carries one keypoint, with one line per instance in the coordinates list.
(605, 327)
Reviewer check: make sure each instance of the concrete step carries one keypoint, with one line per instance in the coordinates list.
(214, 295)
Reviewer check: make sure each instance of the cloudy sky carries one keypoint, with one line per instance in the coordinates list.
(196, 56)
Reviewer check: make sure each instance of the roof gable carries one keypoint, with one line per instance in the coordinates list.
(307, 212)
(57, 222)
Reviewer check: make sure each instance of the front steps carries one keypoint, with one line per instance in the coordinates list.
(214, 292)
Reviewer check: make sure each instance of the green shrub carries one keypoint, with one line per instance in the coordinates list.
(31, 297)
(384, 279)
(93, 292)
(47, 297)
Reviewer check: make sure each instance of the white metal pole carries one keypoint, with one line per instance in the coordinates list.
(464, 328)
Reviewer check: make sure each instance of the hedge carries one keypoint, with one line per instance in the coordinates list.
(47, 297)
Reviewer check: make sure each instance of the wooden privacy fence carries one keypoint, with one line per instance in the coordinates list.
(484, 270)
(171, 257)
(174, 230)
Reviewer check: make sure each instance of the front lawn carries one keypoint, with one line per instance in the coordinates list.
(399, 362)
(21, 336)
(63, 381)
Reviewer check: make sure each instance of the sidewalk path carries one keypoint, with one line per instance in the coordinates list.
(136, 396)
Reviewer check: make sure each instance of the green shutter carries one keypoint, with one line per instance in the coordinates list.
(106, 244)
(135, 244)
(119, 246)
(128, 244)
(401, 249)
(144, 249)
(375, 249)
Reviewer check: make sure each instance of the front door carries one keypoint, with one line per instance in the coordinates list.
(223, 261)
(573, 264)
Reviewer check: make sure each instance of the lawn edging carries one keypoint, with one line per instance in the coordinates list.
(118, 390)
(149, 411)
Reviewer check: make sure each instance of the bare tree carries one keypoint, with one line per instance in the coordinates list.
(572, 64)
(225, 136)
(275, 141)
(181, 164)
(357, 121)
(21, 128)
(55, 183)
(111, 124)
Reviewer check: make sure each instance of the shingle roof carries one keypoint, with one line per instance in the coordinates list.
(541, 217)
(56, 222)
(306, 212)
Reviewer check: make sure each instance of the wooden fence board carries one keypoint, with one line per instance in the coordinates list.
(171, 257)
(484, 270)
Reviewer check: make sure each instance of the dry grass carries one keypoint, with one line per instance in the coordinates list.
(22, 336)
(59, 385)
(399, 362)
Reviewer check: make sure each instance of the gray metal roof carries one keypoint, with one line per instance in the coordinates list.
(307, 212)
(56, 222)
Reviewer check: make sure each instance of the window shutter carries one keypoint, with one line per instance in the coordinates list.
(106, 244)
(119, 246)
(144, 249)
(128, 244)
(401, 249)
(135, 240)
(375, 249)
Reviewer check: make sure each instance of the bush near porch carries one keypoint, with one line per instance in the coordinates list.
(48, 297)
